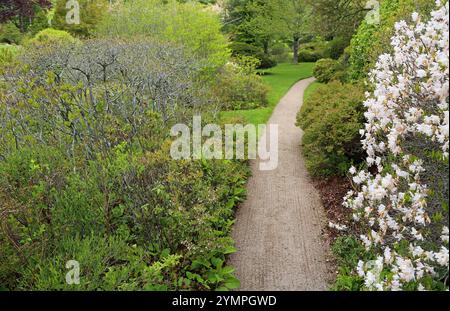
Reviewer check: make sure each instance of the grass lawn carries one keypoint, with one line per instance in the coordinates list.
(311, 88)
(280, 79)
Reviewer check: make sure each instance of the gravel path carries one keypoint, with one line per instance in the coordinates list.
(278, 229)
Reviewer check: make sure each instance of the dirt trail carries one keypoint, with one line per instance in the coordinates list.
(278, 228)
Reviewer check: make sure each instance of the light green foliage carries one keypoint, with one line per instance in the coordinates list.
(91, 13)
(10, 34)
(51, 36)
(8, 54)
(191, 25)
(331, 118)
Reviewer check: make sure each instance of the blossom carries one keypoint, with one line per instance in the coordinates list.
(409, 103)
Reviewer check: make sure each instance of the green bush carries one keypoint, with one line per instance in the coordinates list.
(244, 49)
(312, 51)
(325, 70)
(308, 56)
(51, 36)
(10, 33)
(8, 53)
(331, 118)
(336, 47)
(86, 174)
(240, 88)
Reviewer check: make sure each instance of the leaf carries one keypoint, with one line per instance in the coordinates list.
(232, 283)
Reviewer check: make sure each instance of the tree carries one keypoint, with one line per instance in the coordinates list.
(257, 22)
(337, 18)
(21, 12)
(297, 20)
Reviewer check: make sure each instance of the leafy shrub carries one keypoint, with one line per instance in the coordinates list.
(52, 36)
(331, 118)
(309, 56)
(100, 187)
(335, 48)
(239, 87)
(280, 52)
(10, 33)
(244, 49)
(312, 51)
(325, 69)
(8, 53)
(188, 25)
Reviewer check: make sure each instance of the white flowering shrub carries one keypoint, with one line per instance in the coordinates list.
(401, 201)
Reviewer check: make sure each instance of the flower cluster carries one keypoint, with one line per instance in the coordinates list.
(406, 138)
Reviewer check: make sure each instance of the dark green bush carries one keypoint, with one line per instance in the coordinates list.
(241, 48)
(331, 118)
(325, 69)
(336, 47)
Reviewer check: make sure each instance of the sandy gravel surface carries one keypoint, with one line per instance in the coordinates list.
(278, 231)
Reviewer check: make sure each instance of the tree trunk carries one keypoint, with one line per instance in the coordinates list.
(295, 47)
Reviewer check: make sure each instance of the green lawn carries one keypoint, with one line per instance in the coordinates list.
(280, 79)
(311, 88)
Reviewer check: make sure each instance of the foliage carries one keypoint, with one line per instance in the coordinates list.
(331, 118)
(279, 79)
(9, 33)
(50, 36)
(372, 40)
(336, 47)
(401, 200)
(240, 49)
(86, 172)
(21, 12)
(325, 69)
(91, 14)
(313, 51)
(239, 87)
(8, 54)
(187, 24)
(337, 18)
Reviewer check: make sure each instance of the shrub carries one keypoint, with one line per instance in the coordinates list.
(312, 51)
(8, 53)
(325, 70)
(400, 199)
(10, 33)
(89, 176)
(239, 87)
(183, 24)
(331, 118)
(51, 36)
(244, 49)
(335, 48)
(309, 56)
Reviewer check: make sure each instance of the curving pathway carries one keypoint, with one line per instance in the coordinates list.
(278, 228)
